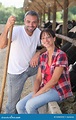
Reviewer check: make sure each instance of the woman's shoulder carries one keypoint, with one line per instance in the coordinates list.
(44, 55)
(62, 55)
(59, 51)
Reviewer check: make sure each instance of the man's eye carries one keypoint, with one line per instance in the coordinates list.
(28, 21)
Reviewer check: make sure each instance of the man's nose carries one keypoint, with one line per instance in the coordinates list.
(31, 24)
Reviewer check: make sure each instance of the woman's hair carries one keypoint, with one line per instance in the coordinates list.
(48, 31)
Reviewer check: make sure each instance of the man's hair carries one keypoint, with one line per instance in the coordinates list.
(32, 13)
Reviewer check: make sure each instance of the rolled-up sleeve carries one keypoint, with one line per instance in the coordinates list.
(62, 59)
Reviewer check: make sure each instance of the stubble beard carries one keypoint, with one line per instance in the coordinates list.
(29, 30)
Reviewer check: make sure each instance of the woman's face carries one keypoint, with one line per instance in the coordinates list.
(47, 40)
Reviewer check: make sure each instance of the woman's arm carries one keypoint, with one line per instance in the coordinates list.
(37, 82)
(55, 77)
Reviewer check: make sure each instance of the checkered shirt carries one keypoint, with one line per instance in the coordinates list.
(59, 58)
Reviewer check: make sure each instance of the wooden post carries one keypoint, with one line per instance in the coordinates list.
(44, 15)
(5, 69)
(65, 18)
(40, 19)
(49, 13)
(54, 16)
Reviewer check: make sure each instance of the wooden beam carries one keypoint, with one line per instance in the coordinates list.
(39, 5)
(37, 8)
(59, 4)
(54, 108)
(66, 39)
(44, 2)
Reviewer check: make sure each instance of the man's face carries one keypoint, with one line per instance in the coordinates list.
(31, 22)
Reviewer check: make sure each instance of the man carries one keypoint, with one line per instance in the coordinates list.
(23, 60)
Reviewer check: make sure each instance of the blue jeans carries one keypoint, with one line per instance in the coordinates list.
(15, 85)
(29, 105)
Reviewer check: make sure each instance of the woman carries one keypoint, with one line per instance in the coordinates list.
(52, 81)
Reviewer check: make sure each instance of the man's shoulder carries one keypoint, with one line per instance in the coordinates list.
(38, 30)
(18, 28)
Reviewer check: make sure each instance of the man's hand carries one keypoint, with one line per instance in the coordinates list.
(10, 22)
(4, 35)
(34, 60)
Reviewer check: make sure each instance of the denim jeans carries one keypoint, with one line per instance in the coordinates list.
(29, 105)
(15, 84)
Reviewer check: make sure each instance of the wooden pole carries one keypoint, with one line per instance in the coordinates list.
(5, 69)
(54, 16)
(65, 19)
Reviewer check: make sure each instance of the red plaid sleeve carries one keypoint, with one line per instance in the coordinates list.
(62, 59)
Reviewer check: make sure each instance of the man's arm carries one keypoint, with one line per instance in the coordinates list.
(35, 58)
(3, 36)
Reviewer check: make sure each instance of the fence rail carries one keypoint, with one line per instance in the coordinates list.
(73, 41)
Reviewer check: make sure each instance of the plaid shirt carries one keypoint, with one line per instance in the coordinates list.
(59, 58)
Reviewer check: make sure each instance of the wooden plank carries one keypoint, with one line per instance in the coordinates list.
(43, 109)
(54, 108)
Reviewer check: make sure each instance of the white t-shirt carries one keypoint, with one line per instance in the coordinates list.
(23, 47)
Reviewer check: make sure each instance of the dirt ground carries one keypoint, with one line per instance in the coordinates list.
(68, 106)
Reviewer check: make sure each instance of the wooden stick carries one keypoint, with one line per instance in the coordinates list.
(5, 68)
